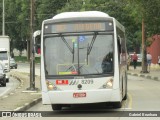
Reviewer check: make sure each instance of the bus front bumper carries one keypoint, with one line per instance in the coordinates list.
(81, 96)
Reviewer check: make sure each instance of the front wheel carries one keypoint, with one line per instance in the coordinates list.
(56, 107)
(125, 97)
(7, 80)
(4, 83)
(117, 104)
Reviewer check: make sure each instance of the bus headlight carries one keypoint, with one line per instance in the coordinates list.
(50, 85)
(108, 84)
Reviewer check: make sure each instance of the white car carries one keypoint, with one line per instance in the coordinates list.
(2, 76)
(139, 58)
(13, 63)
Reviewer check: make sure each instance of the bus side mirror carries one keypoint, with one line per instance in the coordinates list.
(37, 41)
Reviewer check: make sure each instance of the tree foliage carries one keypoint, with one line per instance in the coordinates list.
(127, 12)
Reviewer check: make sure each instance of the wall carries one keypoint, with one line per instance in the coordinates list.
(154, 48)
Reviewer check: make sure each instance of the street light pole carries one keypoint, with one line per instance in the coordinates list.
(32, 54)
(3, 20)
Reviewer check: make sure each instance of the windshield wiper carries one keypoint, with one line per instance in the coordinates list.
(69, 47)
(72, 68)
(89, 48)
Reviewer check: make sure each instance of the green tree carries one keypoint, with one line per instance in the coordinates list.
(72, 5)
(16, 25)
(46, 9)
(127, 12)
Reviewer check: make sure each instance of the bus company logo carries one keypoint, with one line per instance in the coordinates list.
(6, 114)
(61, 82)
(73, 82)
(20, 114)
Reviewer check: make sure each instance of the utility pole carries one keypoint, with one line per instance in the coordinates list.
(144, 58)
(3, 20)
(32, 54)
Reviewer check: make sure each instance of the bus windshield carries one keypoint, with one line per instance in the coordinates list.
(3, 55)
(78, 54)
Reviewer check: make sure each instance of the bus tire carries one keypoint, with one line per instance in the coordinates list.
(7, 80)
(4, 84)
(125, 97)
(56, 107)
(117, 104)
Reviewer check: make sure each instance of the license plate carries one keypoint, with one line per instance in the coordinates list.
(79, 95)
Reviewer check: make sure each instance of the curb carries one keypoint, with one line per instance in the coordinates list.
(27, 62)
(18, 87)
(20, 80)
(144, 76)
(26, 106)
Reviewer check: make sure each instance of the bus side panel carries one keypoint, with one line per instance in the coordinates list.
(116, 61)
(43, 79)
(45, 98)
(116, 97)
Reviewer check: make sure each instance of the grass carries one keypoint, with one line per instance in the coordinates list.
(24, 59)
(138, 64)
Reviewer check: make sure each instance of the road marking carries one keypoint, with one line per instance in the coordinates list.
(11, 93)
(5, 96)
(126, 108)
(29, 91)
(6, 91)
(130, 102)
(36, 93)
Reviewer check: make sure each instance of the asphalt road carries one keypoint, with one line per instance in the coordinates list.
(143, 95)
(10, 86)
(13, 83)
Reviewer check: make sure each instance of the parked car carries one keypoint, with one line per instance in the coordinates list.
(13, 63)
(2, 76)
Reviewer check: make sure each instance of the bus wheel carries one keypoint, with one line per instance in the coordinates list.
(4, 83)
(56, 107)
(7, 80)
(117, 104)
(125, 97)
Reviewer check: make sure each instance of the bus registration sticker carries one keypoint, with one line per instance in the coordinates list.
(79, 95)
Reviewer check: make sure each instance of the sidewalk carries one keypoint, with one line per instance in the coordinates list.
(154, 73)
(20, 99)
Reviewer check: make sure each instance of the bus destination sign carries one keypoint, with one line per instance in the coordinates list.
(78, 27)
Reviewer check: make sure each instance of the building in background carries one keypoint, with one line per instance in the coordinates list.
(154, 48)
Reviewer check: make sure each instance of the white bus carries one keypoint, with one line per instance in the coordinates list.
(83, 60)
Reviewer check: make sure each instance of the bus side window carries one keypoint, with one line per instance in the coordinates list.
(37, 41)
(119, 47)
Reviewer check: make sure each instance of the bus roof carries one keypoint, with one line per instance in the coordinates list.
(84, 14)
(80, 14)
